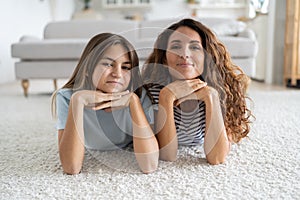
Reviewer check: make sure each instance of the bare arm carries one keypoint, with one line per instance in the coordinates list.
(165, 124)
(216, 142)
(144, 141)
(71, 139)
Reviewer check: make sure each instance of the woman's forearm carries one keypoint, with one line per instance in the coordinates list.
(216, 143)
(144, 141)
(71, 143)
(165, 126)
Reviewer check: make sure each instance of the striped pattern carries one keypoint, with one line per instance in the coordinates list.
(190, 127)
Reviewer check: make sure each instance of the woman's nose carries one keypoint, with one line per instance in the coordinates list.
(185, 54)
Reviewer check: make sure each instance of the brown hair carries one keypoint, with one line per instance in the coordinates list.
(219, 72)
(93, 52)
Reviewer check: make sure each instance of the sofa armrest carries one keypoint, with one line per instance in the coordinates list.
(29, 38)
(247, 33)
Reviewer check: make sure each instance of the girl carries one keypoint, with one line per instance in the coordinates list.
(97, 109)
(200, 93)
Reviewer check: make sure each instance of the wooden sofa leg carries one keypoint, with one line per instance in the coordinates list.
(25, 86)
(55, 84)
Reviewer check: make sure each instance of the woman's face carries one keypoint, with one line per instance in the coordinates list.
(185, 55)
(112, 73)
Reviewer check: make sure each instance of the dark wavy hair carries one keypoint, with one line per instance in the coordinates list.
(219, 72)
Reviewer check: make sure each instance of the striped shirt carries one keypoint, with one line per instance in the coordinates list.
(190, 126)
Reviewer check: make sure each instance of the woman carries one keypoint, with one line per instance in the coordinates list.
(98, 109)
(200, 93)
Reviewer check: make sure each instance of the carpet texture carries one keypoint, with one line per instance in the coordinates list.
(263, 166)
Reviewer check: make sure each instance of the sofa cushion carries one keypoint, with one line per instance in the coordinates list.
(89, 28)
(230, 28)
(239, 46)
(41, 69)
(49, 49)
(152, 28)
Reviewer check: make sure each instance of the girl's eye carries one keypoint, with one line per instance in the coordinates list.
(107, 64)
(126, 68)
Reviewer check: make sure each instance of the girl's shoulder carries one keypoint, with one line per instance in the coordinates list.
(65, 92)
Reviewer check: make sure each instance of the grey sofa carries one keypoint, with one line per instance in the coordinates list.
(56, 54)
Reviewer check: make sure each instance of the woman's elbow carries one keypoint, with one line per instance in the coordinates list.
(168, 157)
(216, 160)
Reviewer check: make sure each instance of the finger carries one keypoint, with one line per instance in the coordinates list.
(179, 101)
(100, 97)
(102, 106)
(123, 101)
(199, 85)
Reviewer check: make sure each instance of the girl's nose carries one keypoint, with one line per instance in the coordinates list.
(117, 71)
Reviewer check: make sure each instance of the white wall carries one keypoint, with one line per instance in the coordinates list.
(260, 26)
(26, 17)
(168, 9)
(275, 42)
(279, 34)
(19, 17)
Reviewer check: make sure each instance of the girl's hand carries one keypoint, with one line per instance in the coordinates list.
(117, 103)
(182, 88)
(206, 94)
(97, 99)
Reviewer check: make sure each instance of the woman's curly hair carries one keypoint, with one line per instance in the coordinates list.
(219, 72)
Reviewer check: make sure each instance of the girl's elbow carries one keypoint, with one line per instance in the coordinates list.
(148, 162)
(72, 169)
(151, 167)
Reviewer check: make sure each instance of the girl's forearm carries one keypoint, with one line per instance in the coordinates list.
(71, 144)
(144, 141)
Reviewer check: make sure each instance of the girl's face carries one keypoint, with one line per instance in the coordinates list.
(112, 73)
(185, 55)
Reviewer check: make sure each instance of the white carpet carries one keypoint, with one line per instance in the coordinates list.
(264, 166)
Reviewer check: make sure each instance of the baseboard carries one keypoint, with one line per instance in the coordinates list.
(257, 80)
(293, 86)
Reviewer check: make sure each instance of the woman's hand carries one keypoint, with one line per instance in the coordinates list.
(216, 142)
(182, 88)
(206, 94)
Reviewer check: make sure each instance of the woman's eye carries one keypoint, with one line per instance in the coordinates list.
(195, 48)
(175, 47)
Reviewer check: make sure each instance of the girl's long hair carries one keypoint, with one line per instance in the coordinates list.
(81, 79)
(219, 72)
